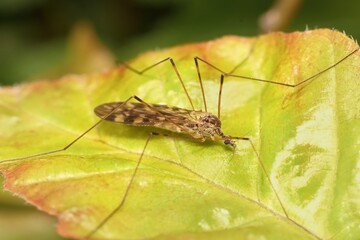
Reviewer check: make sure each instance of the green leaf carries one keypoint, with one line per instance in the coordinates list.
(307, 138)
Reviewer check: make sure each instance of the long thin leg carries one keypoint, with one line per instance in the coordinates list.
(220, 93)
(122, 202)
(230, 74)
(92, 127)
(213, 66)
(137, 165)
(140, 72)
(276, 82)
(198, 140)
(200, 82)
(247, 57)
(227, 138)
(73, 141)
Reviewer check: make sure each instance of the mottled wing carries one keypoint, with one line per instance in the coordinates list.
(139, 114)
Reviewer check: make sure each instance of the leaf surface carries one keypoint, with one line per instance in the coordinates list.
(307, 138)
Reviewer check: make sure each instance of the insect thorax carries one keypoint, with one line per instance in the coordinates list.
(209, 126)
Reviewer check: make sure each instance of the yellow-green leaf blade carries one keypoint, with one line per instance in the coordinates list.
(307, 137)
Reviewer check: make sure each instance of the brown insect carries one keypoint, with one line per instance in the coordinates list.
(191, 124)
(199, 125)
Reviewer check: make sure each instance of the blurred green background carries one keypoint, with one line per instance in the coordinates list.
(47, 39)
(35, 35)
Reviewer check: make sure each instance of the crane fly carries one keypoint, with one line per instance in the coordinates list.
(192, 124)
(198, 124)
